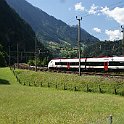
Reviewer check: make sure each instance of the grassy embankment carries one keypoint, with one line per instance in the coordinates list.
(35, 105)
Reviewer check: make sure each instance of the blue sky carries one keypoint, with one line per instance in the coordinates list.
(101, 18)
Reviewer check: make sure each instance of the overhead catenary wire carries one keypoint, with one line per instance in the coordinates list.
(111, 6)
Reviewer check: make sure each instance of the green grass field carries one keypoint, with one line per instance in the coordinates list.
(103, 84)
(39, 105)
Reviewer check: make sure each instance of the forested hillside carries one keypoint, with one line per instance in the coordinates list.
(104, 48)
(14, 30)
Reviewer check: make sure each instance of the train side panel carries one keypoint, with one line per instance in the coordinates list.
(88, 64)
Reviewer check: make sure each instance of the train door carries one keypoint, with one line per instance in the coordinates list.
(68, 65)
(106, 66)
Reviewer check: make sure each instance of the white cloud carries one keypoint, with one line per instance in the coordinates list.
(79, 7)
(113, 34)
(117, 14)
(97, 30)
(93, 9)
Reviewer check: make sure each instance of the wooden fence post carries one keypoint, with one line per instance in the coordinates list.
(115, 91)
(75, 88)
(110, 119)
(41, 84)
(87, 88)
(48, 84)
(100, 90)
(35, 84)
(65, 87)
(56, 85)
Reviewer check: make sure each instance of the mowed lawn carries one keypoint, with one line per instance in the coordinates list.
(37, 105)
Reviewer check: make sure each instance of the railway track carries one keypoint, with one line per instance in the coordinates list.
(104, 74)
(110, 74)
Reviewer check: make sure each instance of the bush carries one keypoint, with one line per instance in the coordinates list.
(31, 62)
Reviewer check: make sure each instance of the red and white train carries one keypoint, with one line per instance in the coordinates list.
(88, 64)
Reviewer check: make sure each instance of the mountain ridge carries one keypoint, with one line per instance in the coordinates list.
(48, 27)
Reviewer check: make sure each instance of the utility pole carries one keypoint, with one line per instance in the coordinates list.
(79, 40)
(122, 40)
(17, 55)
(21, 56)
(9, 44)
(35, 53)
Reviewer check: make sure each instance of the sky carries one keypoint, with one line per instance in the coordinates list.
(100, 18)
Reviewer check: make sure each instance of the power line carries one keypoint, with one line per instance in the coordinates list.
(120, 2)
(111, 6)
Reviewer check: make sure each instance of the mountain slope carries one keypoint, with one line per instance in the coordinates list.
(15, 30)
(48, 28)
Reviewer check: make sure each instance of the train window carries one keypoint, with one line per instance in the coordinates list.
(83, 63)
(70, 63)
(89, 63)
(94, 64)
(63, 63)
(116, 63)
(74, 63)
(60, 63)
(56, 63)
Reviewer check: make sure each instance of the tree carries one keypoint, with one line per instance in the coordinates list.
(104, 48)
(2, 57)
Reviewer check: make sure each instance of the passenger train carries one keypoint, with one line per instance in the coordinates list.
(88, 64)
